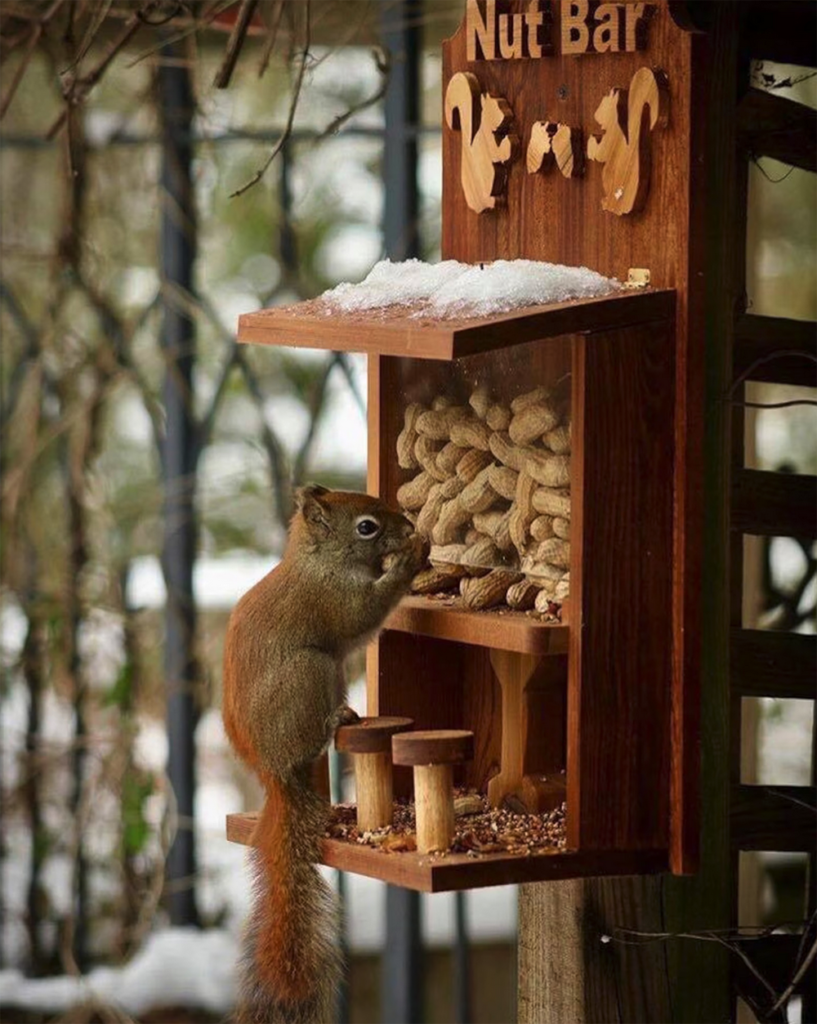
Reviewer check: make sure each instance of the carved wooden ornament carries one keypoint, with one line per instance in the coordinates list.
(627, 116)
(558, 143)
(488, 144)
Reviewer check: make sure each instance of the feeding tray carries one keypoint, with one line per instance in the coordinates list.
(454, 871)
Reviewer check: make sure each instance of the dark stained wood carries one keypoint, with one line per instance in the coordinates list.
(396, 332)
(553, 218)
(784, 31)
(482, 713)
(765, 663)
(507, 630)
(422, 678)
(545, 735)
(781, 818)
(776, 350)
(774, 504)
(444, 873)
(772, 125)
(433, 746)
(370, 735)
(619, 663)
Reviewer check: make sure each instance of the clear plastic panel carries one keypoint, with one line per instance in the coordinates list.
(483, 447)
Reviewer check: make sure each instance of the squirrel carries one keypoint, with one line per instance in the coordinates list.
(348, 560)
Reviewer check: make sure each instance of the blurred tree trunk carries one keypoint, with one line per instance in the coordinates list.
(32, 663)
(179, 457)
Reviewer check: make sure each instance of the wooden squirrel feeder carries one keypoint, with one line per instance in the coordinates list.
(571, 136)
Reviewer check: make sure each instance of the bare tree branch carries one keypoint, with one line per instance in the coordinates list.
(287, 132)
(235, 43)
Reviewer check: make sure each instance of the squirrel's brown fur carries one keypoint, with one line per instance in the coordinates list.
(284, 696)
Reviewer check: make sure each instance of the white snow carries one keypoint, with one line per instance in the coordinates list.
(450, 288)
(177, 966)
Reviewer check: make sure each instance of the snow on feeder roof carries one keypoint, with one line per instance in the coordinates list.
(451, 289)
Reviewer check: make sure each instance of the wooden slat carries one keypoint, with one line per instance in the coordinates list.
(620, 678)
(781, 818)
(765, 338)
(461, 871)
(769, 664)
(396, 332)
(774, 504)
(774, 126)
(784, 31)
(507, 631)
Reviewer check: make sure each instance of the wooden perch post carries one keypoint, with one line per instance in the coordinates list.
(369, 743)
(433, 755)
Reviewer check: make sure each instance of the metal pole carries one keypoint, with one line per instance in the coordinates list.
(402, 977)
(462, 966)
(179, 456)
(402, 36)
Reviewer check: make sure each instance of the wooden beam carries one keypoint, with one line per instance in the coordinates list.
(776, 350)
(769, 664)
(779, 818)
(784, 31)
(774, 126)
(774, 504)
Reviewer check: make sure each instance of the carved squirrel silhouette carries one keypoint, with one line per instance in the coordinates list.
(488, 143)
(627, 117)
(554, 142)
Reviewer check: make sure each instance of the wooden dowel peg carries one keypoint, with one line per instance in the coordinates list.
(369, 743)
(432, 755)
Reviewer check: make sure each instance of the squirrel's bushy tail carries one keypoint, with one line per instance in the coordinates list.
(291, 966)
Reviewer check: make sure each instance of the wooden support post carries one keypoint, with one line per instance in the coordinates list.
(530, 770)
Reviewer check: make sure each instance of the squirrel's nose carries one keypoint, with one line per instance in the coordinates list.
(408, 529)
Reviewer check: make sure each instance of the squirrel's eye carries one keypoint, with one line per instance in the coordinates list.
(367, 527)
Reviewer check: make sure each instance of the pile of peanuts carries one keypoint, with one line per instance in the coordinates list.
(492, 496)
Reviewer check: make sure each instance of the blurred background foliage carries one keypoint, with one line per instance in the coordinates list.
(88, 814)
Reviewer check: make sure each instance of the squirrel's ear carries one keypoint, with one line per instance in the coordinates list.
(307, 502)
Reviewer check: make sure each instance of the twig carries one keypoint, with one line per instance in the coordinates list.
(90, 34)
(316, 408)
(795, 981)
(296, 92)
(272, 36)
(346, 370)
(235, 43)
(34, 38)
(383, 63)
(80, 87)
(273, 447)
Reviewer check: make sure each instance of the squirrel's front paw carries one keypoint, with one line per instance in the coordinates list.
(344, 716)
(410, 557)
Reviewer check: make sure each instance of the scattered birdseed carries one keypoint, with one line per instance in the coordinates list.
(479, 829)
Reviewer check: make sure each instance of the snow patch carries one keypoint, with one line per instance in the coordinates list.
(179, 966)
(453, 289)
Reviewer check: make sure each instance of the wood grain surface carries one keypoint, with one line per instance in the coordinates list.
(444, 873)
(619, 663)
(370, 735)
(397, 331)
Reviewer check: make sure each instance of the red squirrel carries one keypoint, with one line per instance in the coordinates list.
(348, 560)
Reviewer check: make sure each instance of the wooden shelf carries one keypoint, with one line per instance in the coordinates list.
(435, 873)
(446, 619)
(398, 331)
